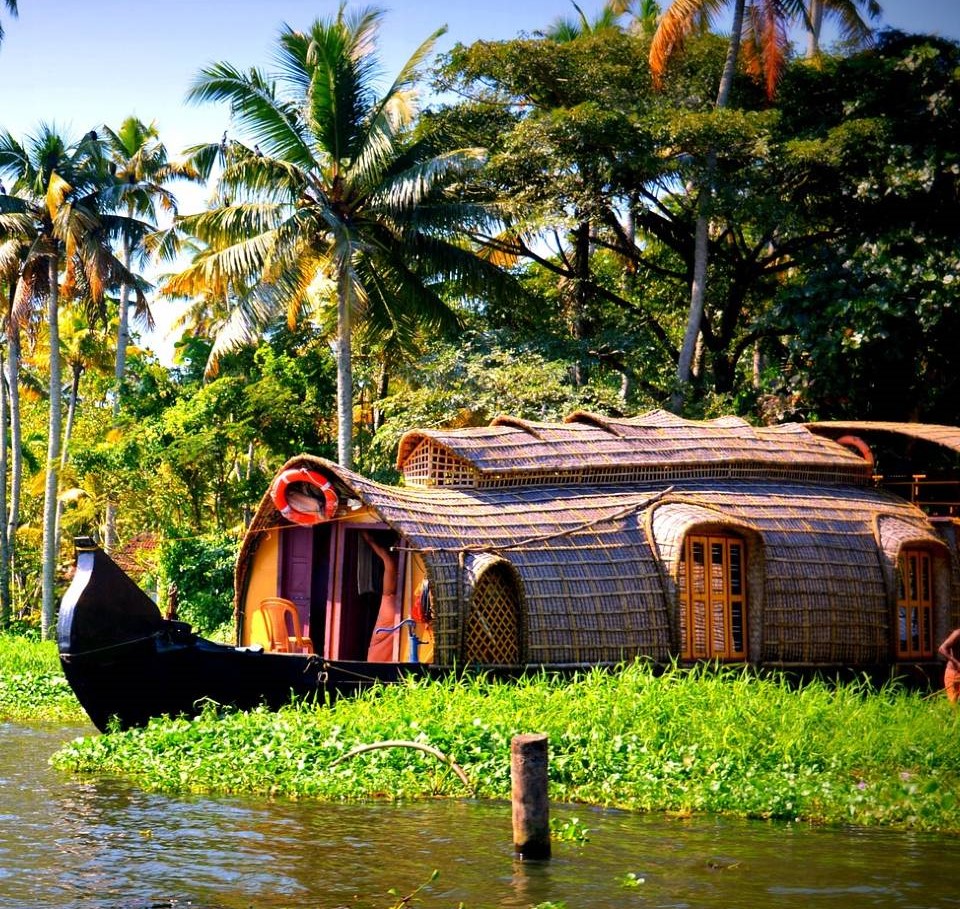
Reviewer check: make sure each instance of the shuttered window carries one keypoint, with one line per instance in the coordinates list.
(914, 605)
(713, 598)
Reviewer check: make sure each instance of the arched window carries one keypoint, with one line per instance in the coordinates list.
(493, 628)
(713, 598)
(914, 605)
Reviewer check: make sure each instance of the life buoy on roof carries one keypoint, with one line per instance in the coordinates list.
(855, 443)
(315, 514)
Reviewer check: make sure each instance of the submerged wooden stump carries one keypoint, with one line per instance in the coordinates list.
(531, 806)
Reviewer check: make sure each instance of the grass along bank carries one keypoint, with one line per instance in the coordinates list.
(683, 742)
(32, 686)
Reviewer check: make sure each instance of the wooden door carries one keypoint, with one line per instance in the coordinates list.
(302, 577)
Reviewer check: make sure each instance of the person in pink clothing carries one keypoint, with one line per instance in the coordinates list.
(381, 644)
(950, 651)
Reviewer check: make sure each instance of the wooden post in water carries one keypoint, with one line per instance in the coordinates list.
(531, 807)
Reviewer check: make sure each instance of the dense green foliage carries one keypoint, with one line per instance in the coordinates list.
(202, 568)
(32, 686)
(702, 741)
(524, 245)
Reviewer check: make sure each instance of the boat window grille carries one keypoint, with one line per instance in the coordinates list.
(914, 625)
(432, 465)
(492, 634)
(666, 473)
(713, 596)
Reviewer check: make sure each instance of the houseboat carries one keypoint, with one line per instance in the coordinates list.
(585, 543)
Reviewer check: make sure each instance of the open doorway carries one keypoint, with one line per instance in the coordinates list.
(361, 594)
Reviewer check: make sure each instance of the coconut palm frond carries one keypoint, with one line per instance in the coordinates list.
(248, 315)
(850, 23)
(264, 177)
(230, 223)
(681, 18)
(404, 192)
(765, 43)
(254, 105)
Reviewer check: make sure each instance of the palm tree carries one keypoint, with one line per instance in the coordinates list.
(853, 27)
(14, 247)
(645, 14)
(764, 32)
(564, 30)
(82, 348)
(11, 6)
(337, 202)
(57, 185)
(140, 166)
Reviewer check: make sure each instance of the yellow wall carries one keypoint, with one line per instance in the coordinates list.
(413, 575)
(262, 583)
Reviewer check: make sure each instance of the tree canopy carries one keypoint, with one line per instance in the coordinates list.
(526, 242)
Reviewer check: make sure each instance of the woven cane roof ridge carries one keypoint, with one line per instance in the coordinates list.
(948, 436)
(587, 446)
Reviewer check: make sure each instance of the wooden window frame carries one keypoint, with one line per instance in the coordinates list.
(713, 604)
(915, 604)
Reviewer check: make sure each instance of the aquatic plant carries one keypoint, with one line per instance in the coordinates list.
(704, 740)
(32, 686)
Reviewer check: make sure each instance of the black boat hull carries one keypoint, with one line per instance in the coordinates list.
(127, 664)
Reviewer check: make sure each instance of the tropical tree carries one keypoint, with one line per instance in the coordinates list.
(761, 26)
(11, 6)
(56, 184)
(337, 201)
(759, 29)
(853, 28)
(140, 167)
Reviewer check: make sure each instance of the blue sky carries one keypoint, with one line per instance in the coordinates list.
(81, 64)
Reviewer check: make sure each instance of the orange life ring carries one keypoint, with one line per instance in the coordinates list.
(860, 447)
(278, 492)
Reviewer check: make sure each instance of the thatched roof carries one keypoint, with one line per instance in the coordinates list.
(945, 436)
(587, 448)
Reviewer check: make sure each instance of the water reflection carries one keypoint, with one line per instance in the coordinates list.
(103, 845)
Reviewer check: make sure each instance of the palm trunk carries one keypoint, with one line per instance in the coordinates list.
(50, 547)
(71, 413)
(814, 25)
(701, 245)
(68, 433)
(123, 330)
(698, 290)
(119, 369)
(4, 464)
(383, 386)
(16, 440)
(578, 320)
(247, 510)
(344, 380)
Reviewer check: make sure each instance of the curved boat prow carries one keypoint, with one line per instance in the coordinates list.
(102, 607)
(125, 661)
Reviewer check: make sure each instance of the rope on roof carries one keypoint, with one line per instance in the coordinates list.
(542, 538)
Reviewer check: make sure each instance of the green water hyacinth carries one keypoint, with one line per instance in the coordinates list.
(32, 686)
(708, 740)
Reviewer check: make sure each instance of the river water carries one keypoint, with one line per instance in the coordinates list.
(104, 844)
